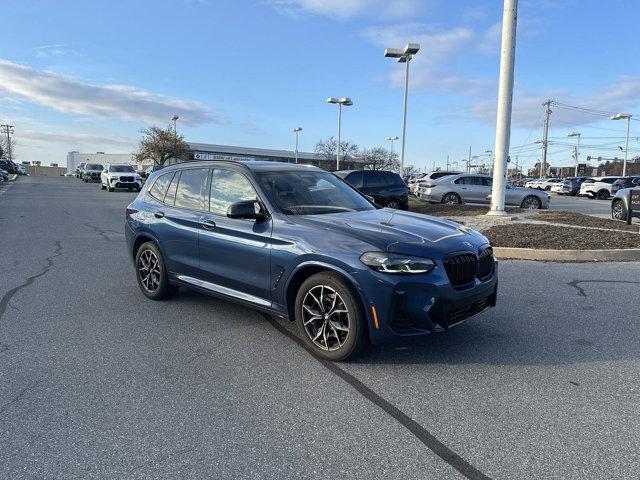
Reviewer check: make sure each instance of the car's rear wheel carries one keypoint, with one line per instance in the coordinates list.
(618, 210)
(531, 202)
(111, 189)
(152, 273)
(329, 317)
(103, 186)
(451, 198)
(603, 194)
(393, 203)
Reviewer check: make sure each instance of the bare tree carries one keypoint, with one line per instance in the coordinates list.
(328, 148)
(378, 158)
(160, 145)
(410, 171)
(7, 146)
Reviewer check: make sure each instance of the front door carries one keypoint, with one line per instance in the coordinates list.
(235, 254)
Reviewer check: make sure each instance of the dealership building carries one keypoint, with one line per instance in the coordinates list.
(208, 151)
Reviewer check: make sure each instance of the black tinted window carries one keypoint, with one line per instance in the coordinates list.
(395, 180)
(228, 187)
(190, 188)
(121, 168)
(159, 188)
(355, 179)
(374, 179)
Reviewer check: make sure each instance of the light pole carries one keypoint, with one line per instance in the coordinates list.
(296, 131)
(627, 117)
(8, 130)
(346, 101)
(576, 134)
(404, 56)
(175, 124)
(391, 139)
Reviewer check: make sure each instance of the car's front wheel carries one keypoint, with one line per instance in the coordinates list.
(531, 202)
(152, 273)
(329, 317)
(603, 194)
(393, 203)
(619, 211)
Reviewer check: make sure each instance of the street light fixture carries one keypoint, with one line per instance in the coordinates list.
(578, 135)
(627, 117)
(346, 101)
(296, 131)
(404, 56)
(391, 139)
(175, 124)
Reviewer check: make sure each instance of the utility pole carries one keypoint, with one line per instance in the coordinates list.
(469, 161)
(545, 142)
(505, 98)
(8, 129)
(448, 163)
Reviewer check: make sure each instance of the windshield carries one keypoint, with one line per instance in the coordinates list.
(94, 166)
(121, 168)
(311, 193)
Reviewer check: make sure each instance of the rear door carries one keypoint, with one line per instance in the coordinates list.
(175, 218)
(235, 254)
(375, 185)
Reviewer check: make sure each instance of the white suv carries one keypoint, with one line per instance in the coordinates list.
(597, 187)
(120, 175)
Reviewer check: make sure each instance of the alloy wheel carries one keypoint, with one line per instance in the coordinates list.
(618, 212)
(325, 318)
(451, 198)
(149, 270)
(532, 203)
(393, 204)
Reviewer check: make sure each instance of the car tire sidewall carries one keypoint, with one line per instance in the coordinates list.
(454, 195)
(539, 202)
(357, 320)
(623, 212)
(165, 289)
(395, 202)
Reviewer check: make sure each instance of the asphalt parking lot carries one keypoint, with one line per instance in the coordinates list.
(98, 382)
(598, 208)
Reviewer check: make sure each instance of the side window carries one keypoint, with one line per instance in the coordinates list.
(189, 193)
(170, 197)
(374, 179)
(159, 188)
(228, 187)
(463, 181)
(487, 182)
(394, 180)
(355, 179)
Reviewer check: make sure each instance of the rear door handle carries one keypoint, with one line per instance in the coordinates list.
(208, 224)
(158, 214)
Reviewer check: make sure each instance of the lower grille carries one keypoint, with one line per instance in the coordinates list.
(461, 269)
(455, 316)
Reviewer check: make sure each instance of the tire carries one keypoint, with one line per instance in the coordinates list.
(547, 188)
(393, 203)
(591, 196)
(138, 189)
(111, 189)
(155, 284)
(619, 211)
(451, 198)
(531, 202)
(317, 294)
(603, 194)
(103, 187)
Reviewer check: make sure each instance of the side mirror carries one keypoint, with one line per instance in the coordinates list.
(370, 198)
(246, 210)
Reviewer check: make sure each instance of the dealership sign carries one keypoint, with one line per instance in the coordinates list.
(634, 205)
(219, 156)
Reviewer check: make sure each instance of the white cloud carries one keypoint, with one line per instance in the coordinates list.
(345, 9)
(56, 50)
(70, 95)
(75, 140)
(527, 107)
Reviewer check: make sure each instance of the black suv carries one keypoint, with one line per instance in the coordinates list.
(386, 188)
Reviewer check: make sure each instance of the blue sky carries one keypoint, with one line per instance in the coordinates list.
(89, 75)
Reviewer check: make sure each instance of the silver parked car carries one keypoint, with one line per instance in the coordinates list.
(475, 188)
(620, 204)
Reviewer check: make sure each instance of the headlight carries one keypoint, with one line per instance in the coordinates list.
(393, 263)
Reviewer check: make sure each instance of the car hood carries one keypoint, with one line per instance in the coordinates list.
(402, 232)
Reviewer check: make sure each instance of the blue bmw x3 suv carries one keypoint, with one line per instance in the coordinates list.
(300, 243)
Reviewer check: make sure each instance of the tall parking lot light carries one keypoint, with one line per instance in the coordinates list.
(391, 139)
(296, 130)
(578, 135)
(346, 101)
(627, 117)
(174, 119)
(404, 56)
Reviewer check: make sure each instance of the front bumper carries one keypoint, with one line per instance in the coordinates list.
(418, 305)
(119, 184)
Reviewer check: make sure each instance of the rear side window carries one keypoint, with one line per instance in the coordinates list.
(189, 193)
(470, 181)
(159, 188)
(228, 187)
(354, 179)
(609, 180)
(393, 179)
(374, 179)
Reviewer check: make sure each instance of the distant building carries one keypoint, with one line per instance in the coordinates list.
(75, 158)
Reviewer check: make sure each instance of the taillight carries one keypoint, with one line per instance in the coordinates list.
(129, 211)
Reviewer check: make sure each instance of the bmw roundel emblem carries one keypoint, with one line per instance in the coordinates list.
(467, 244)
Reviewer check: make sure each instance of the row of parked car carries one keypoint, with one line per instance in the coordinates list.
(592, 187)
(111, 176)
(457, 188)
(8, 167)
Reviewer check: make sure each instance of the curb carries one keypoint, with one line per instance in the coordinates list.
(614, 255)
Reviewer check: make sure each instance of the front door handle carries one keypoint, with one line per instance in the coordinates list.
(208, 224)
(158, 214)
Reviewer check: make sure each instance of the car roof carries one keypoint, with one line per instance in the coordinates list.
(253, 165)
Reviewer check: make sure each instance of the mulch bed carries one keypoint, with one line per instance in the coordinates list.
(558, 238)
(441, 210)
(571, 218)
